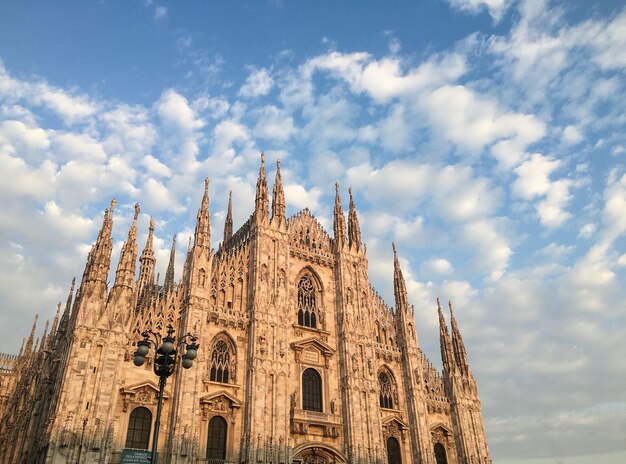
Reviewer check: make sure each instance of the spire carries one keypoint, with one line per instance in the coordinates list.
(31, 337)
(460, 355)
(202, 236)
(447, 357)
(228, 223)
(187, 262)
(66, 312)
(168, 284)
(53, 329)
(278, 197)
(261, 202)
(44, 336)
(354, 229)
(99, 259)
(22, 347)
(339, 221)
(399, 287)
(125, 274)
(146, 264)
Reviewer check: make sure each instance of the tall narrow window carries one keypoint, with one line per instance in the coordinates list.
(139, 424)
(440, 454)
(386, 390)
(311, 390)
(216, 441)
(220, 362)
(307, 311)
(393, 451)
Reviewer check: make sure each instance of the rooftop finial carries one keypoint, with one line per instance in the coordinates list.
(136, 211)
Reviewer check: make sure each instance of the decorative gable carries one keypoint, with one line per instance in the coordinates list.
(394, 427)
(221, 402)
(312, 351)
(146, 392)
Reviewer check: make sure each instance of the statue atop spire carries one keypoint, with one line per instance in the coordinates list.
(125, 274)
(30, 342)
(399, 286)
(278, 197)
(147, 264)
(460, 355)
(447, 356)
(168, 284)
(202, 236)
(261, 201)
(339, 221)
(228, 223)
(354, 229)
(99, 259)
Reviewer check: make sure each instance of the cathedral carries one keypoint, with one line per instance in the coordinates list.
(300, 360)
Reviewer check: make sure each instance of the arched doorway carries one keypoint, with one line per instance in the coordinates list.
(317, 453)
(393, 451)
(440, 454)
(216, 440)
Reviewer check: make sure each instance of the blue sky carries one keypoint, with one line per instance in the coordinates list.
(485, 137)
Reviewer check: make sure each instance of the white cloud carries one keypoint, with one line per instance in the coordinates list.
(176, 113)
(298, 197)
(15, 136)
(587, 230)
(160, 13)
(274, 124)
(72, 145)
(472, 121)
(534, 181)
(71, 108)
(156, 167)
(227, 133)
(258, 84)
(384, 79)
(496, 8)
(437, 266)
(571, 135)
(492, 247)
(534, 176)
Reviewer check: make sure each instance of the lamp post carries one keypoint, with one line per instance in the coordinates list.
(165, 355)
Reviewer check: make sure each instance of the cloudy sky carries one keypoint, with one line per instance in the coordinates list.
(485, 137)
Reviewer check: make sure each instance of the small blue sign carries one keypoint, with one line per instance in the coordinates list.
(134, 456)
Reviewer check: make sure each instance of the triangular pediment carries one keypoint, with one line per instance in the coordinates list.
(221, 396)
(439, 427)
(142, 386)
(395, 421)
(314, 343)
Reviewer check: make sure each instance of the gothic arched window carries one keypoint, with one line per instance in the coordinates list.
(440, 454)
(216, 440)
(386, 390)
(393, 451)
(311, 390)
(221, 361)
(139, 424)
(307, 310)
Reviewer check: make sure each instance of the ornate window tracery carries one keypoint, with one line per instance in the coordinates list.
(308, 315)
(221, 362)
(139, 425)
(387, 390)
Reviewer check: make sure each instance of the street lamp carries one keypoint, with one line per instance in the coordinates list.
(164, 364)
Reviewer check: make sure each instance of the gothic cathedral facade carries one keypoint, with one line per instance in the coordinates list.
(300, 360)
